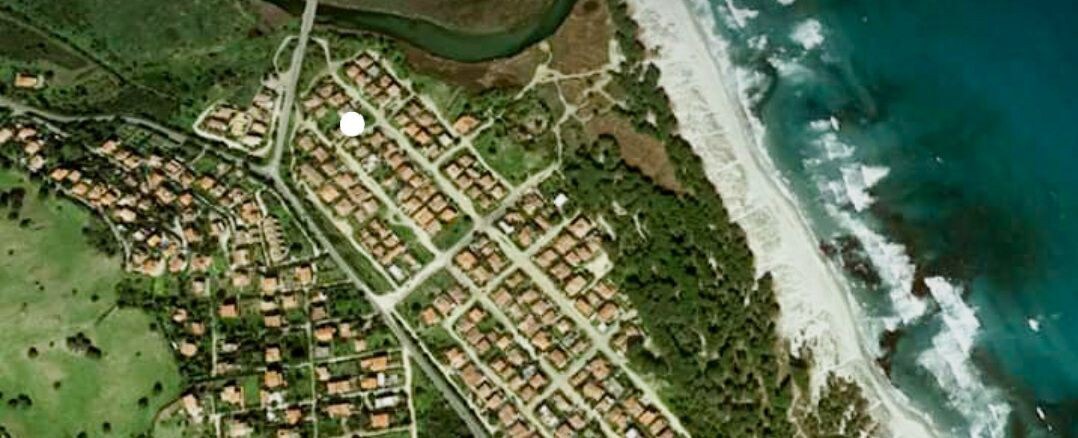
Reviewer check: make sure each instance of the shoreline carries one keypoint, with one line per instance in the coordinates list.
(817, 307)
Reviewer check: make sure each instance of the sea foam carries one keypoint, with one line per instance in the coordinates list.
(808, 33)
(740, 15)
(949, 362)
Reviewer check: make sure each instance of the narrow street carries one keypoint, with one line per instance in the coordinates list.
(272, 171)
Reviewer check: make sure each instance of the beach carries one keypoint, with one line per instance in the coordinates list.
(818, 309)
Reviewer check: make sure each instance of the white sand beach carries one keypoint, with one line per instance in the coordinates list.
(817, 307)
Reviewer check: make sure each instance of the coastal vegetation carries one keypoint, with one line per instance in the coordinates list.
(64, 344)
(711, 346)
(711, 325)
(840, 411)
(712, 343)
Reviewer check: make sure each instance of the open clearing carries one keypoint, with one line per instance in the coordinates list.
(49, 278)
(639, 150)
(580, 45)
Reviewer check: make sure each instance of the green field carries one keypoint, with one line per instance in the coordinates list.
(513, 160)
(21, 43)
(169, 59)
(521, 142)
(434, 417)
(54, 285)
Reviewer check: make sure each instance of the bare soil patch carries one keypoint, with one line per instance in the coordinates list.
(270, 16)
(513, 72)
(582, 42)
(640, 151)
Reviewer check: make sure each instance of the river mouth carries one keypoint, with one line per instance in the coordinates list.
(439, 40)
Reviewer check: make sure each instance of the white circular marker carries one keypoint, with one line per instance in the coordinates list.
(352, 124)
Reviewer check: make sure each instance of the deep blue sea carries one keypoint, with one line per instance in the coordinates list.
(945, 131)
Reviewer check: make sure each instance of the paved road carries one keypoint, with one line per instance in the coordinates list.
(291, 80)
(271, 170)
(522, 260)
(20, 108)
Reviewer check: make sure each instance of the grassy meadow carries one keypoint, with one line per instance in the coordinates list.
(53, 286)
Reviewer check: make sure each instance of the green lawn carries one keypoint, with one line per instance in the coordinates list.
(21, 43)
(522, 142)
(422, 296)
(452, 233)
(512, 160)
(53, 285)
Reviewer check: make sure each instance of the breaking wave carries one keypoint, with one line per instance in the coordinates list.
(949, 362)
(844, 184)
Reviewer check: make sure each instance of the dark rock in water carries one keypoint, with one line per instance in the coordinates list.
(851, 253)
(828, 249)
(888, 343)
(920, 288)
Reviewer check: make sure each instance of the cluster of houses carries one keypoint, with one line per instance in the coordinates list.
(515, 348)
(360, 386)
(625, 408)
(388, 249)
(499, 351)
(337, 336)
(375, 80)
(325, 96)
(486, 361)
(498, 407)
(406, 182)
(140, 194)
(565, 259)
(280, 293)
(552, 335)
(501, 376)
(340, 189)
(610, 311)
(444, 301)
(567, 419)
(508, 370)
(364, 394)
(336, 186)
(276, 241)
(238, 318)
(424, 130)
(472, 177)
(30, 141)
(481, 260)
(248, 127)
(531, 217)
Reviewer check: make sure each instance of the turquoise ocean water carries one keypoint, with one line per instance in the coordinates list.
(944, 136)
